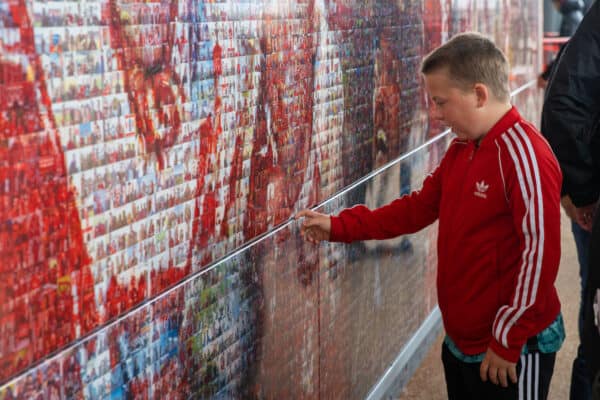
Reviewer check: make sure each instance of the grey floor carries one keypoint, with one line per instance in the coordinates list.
(428, 381)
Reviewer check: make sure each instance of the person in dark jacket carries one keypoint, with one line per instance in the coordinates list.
(572, 14)
(571, 123)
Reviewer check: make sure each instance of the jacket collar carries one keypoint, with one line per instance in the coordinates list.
(508, 120)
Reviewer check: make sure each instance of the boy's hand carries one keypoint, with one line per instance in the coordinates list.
(315, 227)
(497, 369)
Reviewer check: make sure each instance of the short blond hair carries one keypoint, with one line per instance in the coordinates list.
(471, 58)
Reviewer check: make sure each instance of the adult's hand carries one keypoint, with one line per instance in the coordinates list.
(316, 227)
(584, 216)
(497, 369)
(541, 82)
(568, 206)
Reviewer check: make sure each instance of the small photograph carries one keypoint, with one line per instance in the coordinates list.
(90, 361)
(68, 63)
(99, 247)
(90, 133)
(99, 224)
(53, 66)
(92, 14)
(97, 388)
(69, 138)
(131, 258)
(104, 32)
(71, 374)
(73, 160)
(117, 382)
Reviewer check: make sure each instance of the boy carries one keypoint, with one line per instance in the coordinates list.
(496, 194)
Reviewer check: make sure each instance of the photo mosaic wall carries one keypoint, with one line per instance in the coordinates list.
(152, 154)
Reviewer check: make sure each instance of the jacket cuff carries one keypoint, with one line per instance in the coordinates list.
(583, 199)
(336, 231)
(510, 354)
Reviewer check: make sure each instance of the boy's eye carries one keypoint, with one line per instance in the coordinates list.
(439, 103)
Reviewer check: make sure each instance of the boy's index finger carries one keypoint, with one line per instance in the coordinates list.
(300, 214)
(304, 213)
(311, 222)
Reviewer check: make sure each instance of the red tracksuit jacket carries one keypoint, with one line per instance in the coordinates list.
(498, 206)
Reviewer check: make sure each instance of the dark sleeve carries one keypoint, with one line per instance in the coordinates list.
(572, 108)
(548, 71)
(546, 74)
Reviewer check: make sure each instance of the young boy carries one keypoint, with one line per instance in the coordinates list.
(496, 194)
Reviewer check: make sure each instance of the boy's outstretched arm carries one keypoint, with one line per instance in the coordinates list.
(316, 227)
(407, 214)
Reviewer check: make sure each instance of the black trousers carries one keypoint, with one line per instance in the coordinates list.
(591, 312)
(464, 383)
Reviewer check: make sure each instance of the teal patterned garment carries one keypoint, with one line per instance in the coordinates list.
(548, 341)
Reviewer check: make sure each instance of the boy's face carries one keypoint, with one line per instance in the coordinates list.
(455, 107)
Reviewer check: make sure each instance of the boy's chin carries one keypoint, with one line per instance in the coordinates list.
(461, 135)
(466, 136)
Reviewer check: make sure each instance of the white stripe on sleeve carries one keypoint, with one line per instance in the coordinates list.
(533, 221)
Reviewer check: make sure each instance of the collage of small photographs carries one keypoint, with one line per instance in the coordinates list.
(143, 142)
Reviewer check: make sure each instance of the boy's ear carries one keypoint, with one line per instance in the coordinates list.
(482, 93)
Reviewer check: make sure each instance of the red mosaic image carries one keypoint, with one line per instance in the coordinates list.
(143, 143)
